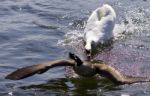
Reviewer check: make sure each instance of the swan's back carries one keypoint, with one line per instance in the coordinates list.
(100, 24)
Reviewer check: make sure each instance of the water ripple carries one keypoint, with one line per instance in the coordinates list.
(31, 30)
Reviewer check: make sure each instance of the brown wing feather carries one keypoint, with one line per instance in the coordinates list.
(114, 75)
(109, 72)
(40, 68)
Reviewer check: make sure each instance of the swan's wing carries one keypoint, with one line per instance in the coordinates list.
(98, 26)
(38, 69)
(92, 21)
(95, 16)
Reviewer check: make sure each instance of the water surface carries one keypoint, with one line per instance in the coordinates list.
(37, 31)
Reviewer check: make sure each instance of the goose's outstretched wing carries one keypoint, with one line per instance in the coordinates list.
(38, 69)
(109, 72)
(114, 75)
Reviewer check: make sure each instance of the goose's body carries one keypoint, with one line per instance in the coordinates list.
(88, 71)
(85, 69)
(99, 27)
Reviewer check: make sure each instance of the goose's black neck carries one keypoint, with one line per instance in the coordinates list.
(76, 58)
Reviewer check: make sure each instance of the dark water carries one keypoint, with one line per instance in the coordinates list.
(30, 33)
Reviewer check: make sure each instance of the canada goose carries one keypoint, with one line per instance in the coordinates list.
(82, 68)
(99, 29)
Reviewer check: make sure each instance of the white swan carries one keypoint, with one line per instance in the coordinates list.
(99, 27)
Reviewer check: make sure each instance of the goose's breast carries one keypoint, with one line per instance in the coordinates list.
(84, 71)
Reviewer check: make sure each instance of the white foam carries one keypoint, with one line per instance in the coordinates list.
(137, 22)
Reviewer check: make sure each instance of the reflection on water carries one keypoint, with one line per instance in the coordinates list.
(30, 33)
(77, 87)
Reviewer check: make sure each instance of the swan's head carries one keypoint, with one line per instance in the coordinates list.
(88, 48)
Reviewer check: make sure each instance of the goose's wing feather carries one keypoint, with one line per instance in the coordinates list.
(109, 72)
(37, 69)
(114, 75)
(131, 79)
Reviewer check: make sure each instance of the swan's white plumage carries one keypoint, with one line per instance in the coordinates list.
(99, 27)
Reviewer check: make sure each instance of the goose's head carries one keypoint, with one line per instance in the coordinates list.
(75, 58)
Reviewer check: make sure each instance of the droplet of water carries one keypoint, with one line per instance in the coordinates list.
(10, 93)
(125, 94)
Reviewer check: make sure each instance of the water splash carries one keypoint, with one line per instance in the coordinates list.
(71, 38)
(125, 55)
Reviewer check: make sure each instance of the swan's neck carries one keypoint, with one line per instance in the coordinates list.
(88, 45)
